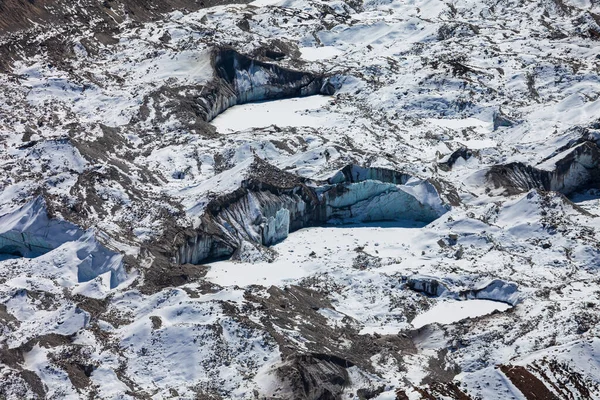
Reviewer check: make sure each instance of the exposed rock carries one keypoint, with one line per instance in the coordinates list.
(319, 371)
(456, 30)
(429, 286)
(572, 170)
(447, 162)
(527, 383)
(315, 377)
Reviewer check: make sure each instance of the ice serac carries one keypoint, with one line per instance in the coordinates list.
(276, 228)
(241, 79)
(497, 290)
(271, 203)
(29, 232)
(566, 172)
(259, 212)
(370, 201)
(428, 285)
(367, 194)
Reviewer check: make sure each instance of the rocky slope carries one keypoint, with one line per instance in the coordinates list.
(300, 199)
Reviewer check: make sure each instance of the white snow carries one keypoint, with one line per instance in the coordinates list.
(319, 53)
(400, 106)
(447, 312)
(295, 260)
(296, 112)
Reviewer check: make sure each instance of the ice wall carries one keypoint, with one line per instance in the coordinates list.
(265, 214)
(495, 290)
(258, 217)
(371, 200)
(29, 232)
(241, 79)
(571, 170)
(356, 173)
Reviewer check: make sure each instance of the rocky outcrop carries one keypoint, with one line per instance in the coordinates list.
(29, 28)
(316, 367)
(16, 15)
(446, 163)
(314, 377)
(569, 171)
(428, 285)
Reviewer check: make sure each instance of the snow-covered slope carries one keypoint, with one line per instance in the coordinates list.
(300, 199)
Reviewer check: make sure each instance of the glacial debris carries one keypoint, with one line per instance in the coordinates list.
(572, 170)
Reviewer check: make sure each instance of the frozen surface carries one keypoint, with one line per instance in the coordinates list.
(297, 112)
(296, 259)
(319, 53)
(453, 311)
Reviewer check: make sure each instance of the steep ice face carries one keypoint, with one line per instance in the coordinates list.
(498, 290)
(571, 170)
(369, 201)
(29, 232)
(428, 285)
(244, 80)
(357, 173)
(257, 217)
(200, 248)
(265, 217)
(96, 260)
(276, 228)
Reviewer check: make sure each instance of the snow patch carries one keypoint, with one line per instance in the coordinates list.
(448, 312)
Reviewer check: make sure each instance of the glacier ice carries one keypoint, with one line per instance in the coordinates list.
(265, 214)
(29, 232)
